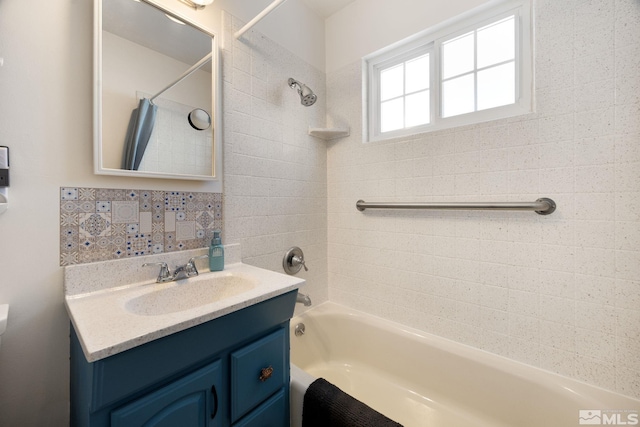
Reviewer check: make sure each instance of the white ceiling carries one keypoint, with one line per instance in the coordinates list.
(326, 8)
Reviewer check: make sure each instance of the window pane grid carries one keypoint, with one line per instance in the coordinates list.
(405, 94)
(417, 109)
(496, 42)
(496, 23)
(495, 65)
(459, 75)
(391, 82)
(417, 91)
(393, 99)
(461, 90)
(416, 75)
(475, 66)
(487, 76)
(458, 55)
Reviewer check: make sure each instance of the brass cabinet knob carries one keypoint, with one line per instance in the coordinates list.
(266, 373)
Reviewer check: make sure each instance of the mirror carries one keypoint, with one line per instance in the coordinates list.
(154, 94)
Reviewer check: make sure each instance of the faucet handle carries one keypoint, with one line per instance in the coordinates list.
(191, 265)
(164, 275)
(191, 260)
(293, 260)
(298, 260)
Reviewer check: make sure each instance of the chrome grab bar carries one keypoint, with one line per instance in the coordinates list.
(542, 206)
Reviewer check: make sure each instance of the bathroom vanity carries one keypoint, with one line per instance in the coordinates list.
(219, 363)
(228, 371)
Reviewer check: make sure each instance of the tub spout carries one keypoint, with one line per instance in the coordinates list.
(304, 299)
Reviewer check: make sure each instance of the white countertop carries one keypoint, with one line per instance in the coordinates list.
(105, 327)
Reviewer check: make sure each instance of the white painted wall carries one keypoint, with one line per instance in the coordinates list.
(366, 26)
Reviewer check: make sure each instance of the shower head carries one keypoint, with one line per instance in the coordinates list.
(307, 97)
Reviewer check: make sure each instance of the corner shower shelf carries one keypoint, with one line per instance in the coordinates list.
(329, 133)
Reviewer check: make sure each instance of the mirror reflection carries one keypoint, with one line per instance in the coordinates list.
(155, 93)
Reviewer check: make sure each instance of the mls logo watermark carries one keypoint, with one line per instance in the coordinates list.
(590, 417)
(610, 417)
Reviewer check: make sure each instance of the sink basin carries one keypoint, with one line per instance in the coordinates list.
(184, 295)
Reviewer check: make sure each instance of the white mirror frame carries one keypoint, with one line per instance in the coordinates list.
(216, 177)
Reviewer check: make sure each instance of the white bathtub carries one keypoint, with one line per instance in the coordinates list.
(421, 380)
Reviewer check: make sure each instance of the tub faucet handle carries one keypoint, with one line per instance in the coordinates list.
(297, 260)
(293, 261)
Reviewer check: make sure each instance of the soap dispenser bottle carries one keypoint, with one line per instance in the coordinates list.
(216, 253)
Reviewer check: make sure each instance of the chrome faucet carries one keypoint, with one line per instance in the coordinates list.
(181, 271)
(189, 269)
(164, 275)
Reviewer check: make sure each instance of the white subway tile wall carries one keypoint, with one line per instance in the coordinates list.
(275, 174)
(561, 292)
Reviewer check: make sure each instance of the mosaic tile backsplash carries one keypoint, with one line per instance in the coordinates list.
(98, 224)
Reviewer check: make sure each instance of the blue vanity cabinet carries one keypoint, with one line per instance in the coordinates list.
(191, 401)
(258, 371)
(269, 413)
(230, 371)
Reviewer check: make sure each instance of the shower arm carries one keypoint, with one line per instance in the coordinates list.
(184, 75)
(294, 84)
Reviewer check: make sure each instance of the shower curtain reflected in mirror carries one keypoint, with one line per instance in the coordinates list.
(143, 118)
(138, 134)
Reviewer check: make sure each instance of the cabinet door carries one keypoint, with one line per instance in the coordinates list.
(191, 401)
(258, 371)
(272, 413)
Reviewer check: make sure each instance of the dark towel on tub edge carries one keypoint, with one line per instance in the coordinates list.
(325, 405)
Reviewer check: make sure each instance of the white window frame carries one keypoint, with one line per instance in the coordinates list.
(430, 41)
(388, 61)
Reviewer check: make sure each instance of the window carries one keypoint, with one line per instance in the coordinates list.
(468, 70)
(404, 94)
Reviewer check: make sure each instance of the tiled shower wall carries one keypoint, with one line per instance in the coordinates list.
(99, 224)
(561, 292)
(275, 182)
